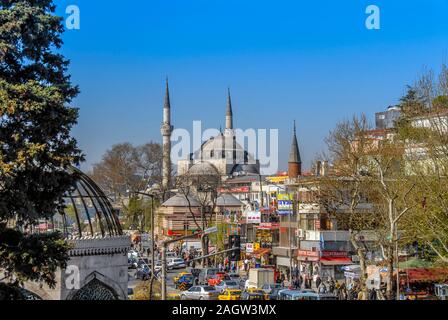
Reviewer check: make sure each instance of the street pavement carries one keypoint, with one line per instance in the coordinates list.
(132, 283)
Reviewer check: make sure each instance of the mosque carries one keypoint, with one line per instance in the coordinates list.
(221, 155)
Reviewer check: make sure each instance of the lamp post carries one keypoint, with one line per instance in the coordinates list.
(152, 238)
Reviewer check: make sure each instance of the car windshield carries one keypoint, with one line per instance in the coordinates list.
(209, 288)
(235, 293)
(231, 283)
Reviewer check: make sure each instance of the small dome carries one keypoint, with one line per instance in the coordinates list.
(227, 199)
(203, 168)
(243, 169)
(180, 200)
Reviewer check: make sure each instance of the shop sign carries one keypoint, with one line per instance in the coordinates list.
(234, 190)
(249, 247)
(253, 217)
(307, 253)
(335, 254)
(269, 226)
(285, 205)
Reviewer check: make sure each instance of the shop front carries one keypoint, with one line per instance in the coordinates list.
(308, 262)
(324, 263)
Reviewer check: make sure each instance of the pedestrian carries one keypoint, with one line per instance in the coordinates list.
(317, 281)
(246, 265)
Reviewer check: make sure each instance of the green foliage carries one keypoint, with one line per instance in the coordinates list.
(35, 143)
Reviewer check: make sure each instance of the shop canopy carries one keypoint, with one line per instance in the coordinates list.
(426, 275)
(336, 261)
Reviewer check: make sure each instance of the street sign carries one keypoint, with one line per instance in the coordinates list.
(211, 230)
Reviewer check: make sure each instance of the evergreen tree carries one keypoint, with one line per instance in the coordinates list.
(35, 143)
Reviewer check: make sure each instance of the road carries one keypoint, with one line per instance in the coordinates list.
(169, 286)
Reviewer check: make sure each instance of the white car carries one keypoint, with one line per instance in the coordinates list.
(175, 263)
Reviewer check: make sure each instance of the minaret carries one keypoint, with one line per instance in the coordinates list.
(294, 162)
(166, 131)
(229, 113)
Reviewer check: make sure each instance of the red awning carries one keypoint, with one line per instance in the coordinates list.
(336, 261)
(426, 275)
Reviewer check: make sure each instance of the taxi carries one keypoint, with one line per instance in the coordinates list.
(256, 291)
(230, 294)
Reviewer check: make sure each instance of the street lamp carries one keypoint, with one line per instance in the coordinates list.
(152, 196)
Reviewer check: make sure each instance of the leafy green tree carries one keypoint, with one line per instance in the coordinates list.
(35, 143)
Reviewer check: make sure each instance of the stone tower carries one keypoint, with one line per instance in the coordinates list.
(166, 131)
(294, 162)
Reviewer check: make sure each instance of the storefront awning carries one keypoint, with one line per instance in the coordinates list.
(335, 261)
(261, 252)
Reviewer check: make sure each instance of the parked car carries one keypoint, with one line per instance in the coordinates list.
(217, 278)
(205, 274)
(268, 288)
(200, 293)
(273, 295)
(235, 276)
(230, 294)
(158, 266)
(143, 273)
(142, 262)
(242, 283)
(130, 293)
(303, 295)
(132, 263)
(227, 284)
(175, 263)
(253, 295)
(170, 255)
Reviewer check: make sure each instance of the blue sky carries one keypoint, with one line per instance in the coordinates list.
(313, 61)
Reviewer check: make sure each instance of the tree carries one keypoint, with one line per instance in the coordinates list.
(203, 186)
(35, 143)
(426, 140)
(125, 169)
(343, 194)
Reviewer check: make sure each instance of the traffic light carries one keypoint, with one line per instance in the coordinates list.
(235, 242)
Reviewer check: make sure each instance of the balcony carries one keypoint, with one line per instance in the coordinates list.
(326, 235)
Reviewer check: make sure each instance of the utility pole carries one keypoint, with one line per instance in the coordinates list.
(164, 271)
(152, 247)
(397, 262)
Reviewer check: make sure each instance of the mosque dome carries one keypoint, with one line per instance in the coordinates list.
(180, 200)
(203, 168)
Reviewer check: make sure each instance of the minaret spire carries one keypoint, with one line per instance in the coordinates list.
(166, 131)
(295, 161)
(229, 113)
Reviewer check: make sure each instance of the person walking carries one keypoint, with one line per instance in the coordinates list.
(317, 281)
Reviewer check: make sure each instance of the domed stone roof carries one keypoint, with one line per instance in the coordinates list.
(203, 168)
(227, 199)
(245, 169)
(180, 200)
